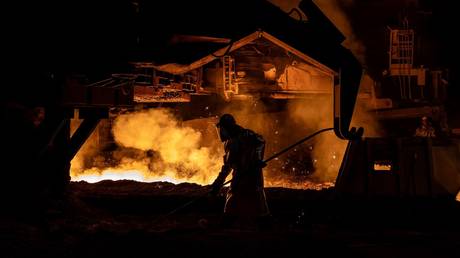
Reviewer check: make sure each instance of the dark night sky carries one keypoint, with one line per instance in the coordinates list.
(98, 37)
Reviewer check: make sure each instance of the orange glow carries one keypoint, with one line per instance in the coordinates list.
(182, 153)
(179, 156)
(302, 184)
(382, 167)
(117, 174)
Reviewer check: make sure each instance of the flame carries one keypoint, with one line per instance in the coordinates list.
(117, 174)
(183, 154)
(179, 156)
(136, 171)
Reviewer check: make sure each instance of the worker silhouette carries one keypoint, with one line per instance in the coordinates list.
(245, 204)
(425, 129)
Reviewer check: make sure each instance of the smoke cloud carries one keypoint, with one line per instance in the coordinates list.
(154, 146)
(334, 10)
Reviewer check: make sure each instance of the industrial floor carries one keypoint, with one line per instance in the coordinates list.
(129, 219)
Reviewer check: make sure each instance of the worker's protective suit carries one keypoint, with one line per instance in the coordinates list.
(244, 150)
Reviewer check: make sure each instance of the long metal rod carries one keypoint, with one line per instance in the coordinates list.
(290, 147)
(297, 143)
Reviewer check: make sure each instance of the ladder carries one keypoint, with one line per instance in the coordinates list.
(402, 57)
(230, 87)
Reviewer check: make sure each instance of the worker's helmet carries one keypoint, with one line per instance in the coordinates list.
(226, 121)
